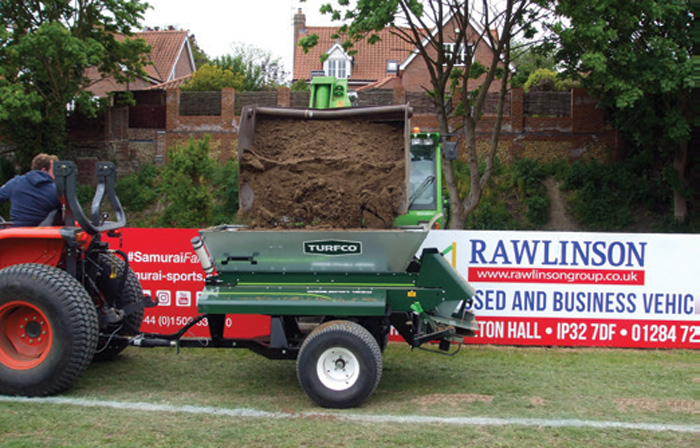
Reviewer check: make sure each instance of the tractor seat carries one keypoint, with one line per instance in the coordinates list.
(52, 219)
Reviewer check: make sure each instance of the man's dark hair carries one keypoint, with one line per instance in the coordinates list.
(43, 161)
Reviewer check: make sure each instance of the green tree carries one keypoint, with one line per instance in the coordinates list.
(210, 78)
(445, 34)
(529, 57)
(544, 80)
(46, 48)
(635, 56)
(185, 184)
(300, 85)
(259, 69)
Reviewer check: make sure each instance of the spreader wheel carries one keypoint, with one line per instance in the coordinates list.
(127, 298)
(48, 330)
(339, 364)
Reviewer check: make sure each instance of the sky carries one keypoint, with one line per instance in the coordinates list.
(218, 25)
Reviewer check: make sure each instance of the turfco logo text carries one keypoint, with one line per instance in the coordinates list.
(333, 247)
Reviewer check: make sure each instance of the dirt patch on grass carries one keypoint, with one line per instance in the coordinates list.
(647, 404)
(340, 174)
(537, 401)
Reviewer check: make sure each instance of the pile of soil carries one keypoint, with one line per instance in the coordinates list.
(335, 174)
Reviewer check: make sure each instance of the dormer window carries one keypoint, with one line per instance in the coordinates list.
(338, 64)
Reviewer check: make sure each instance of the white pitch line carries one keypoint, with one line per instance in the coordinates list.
(364, 418)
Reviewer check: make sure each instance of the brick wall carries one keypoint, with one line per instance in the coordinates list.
(580, 132)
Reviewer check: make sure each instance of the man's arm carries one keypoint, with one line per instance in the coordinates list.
(6, 190)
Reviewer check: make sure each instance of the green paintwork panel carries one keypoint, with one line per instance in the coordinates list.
(294, 300)
(436, 291)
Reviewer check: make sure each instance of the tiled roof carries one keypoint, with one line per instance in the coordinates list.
(165, 49)
(389, 82)
(369, 63)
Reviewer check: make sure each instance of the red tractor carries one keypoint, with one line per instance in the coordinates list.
(66, 298)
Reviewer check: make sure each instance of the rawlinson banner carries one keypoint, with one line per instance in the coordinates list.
(532, 288)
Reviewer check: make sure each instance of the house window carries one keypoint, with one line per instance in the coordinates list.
(337, 68)
(460, 53)
(338, 64)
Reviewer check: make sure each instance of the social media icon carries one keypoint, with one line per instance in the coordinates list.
(183, 298)
(163, 297)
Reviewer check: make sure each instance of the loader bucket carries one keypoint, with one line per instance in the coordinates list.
(339, 168)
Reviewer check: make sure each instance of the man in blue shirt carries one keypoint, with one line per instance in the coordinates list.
(33, 195)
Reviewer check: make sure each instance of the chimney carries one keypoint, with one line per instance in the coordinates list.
(299, 26)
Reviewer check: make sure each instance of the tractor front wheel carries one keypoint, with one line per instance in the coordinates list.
(48, 330)
(339, 364)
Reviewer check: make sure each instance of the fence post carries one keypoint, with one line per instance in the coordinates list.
(228, 106)
(284, 97)
(399, 95)
(172, 111)
(517, 110)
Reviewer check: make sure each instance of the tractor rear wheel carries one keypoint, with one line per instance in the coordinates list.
(48, 330)
(339, 364)
(129, 297)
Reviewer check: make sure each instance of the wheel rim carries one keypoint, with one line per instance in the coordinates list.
(25, 335)
(338, 368)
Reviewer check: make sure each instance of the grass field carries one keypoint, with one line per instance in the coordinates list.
(555, 385)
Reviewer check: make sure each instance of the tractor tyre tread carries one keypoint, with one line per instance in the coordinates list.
(54, 291)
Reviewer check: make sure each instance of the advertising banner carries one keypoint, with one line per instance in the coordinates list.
(579, 289)
(532, 288)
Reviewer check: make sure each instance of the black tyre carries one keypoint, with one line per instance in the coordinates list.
(339, 364)
(128, 297)
(48, 330)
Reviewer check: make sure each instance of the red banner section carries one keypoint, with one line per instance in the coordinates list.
(587, 332)
(627, 312)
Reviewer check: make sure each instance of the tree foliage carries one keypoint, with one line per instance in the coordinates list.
(544, 80)
(185, 185)
(528, 58)
(46, 48)
(636, 57)
(247, 69)
(209, 78)
(260, 71)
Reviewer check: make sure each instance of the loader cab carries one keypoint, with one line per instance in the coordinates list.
(425, 195)
(328, 92)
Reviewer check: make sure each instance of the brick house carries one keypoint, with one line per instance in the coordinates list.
(171, 63)
(389, 64)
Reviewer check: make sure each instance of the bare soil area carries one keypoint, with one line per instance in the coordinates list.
(337, 174)
(559, 219)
